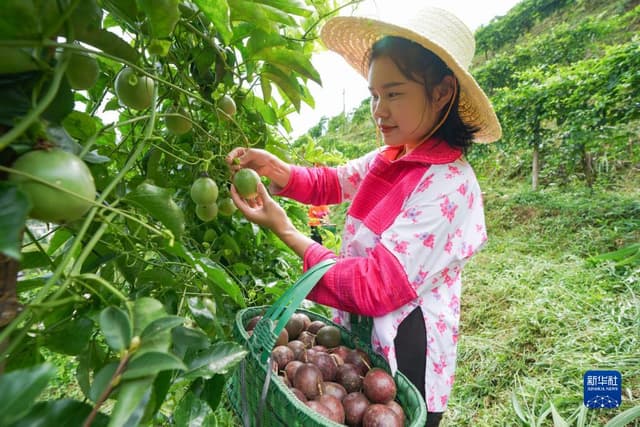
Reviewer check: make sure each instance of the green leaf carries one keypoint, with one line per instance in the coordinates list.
(158, 277)
(116, 327)
(192, 411)
(101, 380)
(219, 277)
(218, 12)
(145, 311)
(260, 15)
(163, 15)
(289, 60)
(294, 7)
(111, 44)
(160, 325)
(20, 389)
(260, 39)
(158, 203)
(19, 19)
(70, 337)
(287, 83)
(34, 259)
(64, 412)
(188, 341)
(150, 363)
(61, 105)
(217, 359)
(203, 317)
(212, 271)
(268, 114)
(133, 396)
(210, 390)
(624, 419)
(14, 208)
(80, 125)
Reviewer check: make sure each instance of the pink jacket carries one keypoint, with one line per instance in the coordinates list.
(411, 226)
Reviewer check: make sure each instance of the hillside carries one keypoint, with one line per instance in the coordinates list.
(553, 293)
(564, 80)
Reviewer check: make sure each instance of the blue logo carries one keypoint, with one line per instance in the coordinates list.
(602, 389)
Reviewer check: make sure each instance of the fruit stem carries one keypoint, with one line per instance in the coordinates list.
(115, 380)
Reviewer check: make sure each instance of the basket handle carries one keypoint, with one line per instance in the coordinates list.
(280, 312)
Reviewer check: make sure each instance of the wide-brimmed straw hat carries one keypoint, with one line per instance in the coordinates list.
(435, 29)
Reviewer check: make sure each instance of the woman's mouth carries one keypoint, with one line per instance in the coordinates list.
(386, 129)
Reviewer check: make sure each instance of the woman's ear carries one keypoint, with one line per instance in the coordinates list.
(444, 91)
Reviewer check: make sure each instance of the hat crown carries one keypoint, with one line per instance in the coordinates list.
(443, 29)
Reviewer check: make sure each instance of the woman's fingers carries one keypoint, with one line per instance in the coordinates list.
(233, 159)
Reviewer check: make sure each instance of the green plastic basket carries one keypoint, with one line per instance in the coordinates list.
(259, 398)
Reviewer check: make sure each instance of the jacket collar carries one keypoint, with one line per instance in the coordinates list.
(433, 151)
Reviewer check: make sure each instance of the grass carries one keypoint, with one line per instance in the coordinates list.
(536, 315)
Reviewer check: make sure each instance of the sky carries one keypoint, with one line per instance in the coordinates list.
(343, 89)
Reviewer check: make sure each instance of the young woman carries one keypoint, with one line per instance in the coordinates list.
(416, 213)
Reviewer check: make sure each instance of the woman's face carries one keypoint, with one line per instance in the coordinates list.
(400, 107)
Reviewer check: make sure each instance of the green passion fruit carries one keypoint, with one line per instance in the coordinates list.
(175, 124)
(228, 105)
(226, 206)
(62, 169)
(204, 191)
(82, 71)
(246, 183)
(207, 212)
(134, 91)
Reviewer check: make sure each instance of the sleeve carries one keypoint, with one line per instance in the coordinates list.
(371, 286)
(324, 185)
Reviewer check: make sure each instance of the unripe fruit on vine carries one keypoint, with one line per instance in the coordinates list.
(209, 235)
(175, 124)
(132, 90)
(204, 191)
(207, 212)
(246, 183)
(82, 71)
(59, 168)
(226, 206)
(228, 105)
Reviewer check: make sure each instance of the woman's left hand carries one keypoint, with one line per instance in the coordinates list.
(262, 210)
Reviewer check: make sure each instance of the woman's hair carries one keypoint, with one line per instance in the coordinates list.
(423, 66)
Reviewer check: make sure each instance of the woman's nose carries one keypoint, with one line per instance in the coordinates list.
(379, 109)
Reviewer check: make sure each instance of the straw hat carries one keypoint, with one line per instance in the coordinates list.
(438, 31)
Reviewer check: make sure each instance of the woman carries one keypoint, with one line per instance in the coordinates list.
(416, 212)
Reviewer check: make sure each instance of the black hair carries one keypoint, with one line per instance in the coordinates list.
(423, 66)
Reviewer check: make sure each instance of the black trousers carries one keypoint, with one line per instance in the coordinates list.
(411, 347)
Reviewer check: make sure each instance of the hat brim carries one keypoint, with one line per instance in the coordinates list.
(353, 37)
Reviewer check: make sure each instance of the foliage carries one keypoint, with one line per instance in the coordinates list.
(555, 291)
(133, 295)
(537, 313)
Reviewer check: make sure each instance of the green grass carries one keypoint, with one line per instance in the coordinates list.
(536, 315)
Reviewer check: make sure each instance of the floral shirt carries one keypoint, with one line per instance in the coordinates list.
(411, 226)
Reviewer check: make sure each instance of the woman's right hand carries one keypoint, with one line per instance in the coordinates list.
(263, 162)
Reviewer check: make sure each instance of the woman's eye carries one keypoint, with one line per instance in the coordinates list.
(393, 94)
